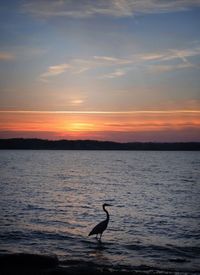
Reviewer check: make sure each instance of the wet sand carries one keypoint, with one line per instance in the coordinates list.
(33, 264)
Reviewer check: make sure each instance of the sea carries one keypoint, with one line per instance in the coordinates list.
(50, 201)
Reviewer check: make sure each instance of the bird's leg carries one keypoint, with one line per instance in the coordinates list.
(100, 237)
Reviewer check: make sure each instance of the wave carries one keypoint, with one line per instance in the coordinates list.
(185, 251)
(33, 235)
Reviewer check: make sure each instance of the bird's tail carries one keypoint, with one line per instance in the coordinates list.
(92, 232)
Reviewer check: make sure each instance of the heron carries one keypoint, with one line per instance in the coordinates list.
(101, 227)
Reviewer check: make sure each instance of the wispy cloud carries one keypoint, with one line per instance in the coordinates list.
(170, 54)
(103, 112)
(116, 73)
(79, 66)
(169, 60)
(116, 8)
(6, 56)
(110, 60)
(54, 70)
(76, 102)
(181, 57)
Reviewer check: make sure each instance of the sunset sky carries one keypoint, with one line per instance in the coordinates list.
(121, 70)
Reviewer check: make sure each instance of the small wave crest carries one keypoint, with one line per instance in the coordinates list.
(33, 235)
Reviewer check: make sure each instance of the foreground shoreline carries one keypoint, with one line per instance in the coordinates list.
(37, 264)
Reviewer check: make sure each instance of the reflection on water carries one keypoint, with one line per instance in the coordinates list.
(50, 200)
(98, 252)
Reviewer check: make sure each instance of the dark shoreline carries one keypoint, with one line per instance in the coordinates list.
(41, 144)
(37, 264)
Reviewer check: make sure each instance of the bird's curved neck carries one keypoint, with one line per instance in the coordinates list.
(107, 214)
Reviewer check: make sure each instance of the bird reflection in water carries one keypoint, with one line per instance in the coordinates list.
(101, 227)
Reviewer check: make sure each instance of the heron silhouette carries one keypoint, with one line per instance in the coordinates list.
(101, 227)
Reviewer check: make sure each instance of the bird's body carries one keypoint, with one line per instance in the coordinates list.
(101, 227)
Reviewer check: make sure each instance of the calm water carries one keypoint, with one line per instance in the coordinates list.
(50, 200)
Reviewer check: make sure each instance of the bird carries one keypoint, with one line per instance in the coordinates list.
(101, 227)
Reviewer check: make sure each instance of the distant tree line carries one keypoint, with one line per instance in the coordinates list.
(41, 144)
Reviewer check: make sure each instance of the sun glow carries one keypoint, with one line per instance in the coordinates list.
(80, 126)
(104, 126)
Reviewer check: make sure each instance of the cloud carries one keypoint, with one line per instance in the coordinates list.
(169, 60)
(6, 56)
(110, 60)
(54, 70)
(79, 66)
(170, 54)
(187, 109)
(115, 8)
(159, 62)
(116, 73)
(76, 102)
(146, 125)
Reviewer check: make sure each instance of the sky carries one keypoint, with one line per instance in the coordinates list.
(121, 70)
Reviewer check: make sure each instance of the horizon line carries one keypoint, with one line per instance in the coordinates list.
(100, 112)
(98, 140)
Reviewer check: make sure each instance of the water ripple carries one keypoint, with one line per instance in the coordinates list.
(50, 200)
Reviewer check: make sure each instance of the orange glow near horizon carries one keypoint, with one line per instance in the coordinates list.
(104, 126)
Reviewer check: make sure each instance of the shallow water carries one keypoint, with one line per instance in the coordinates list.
(50, 200)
